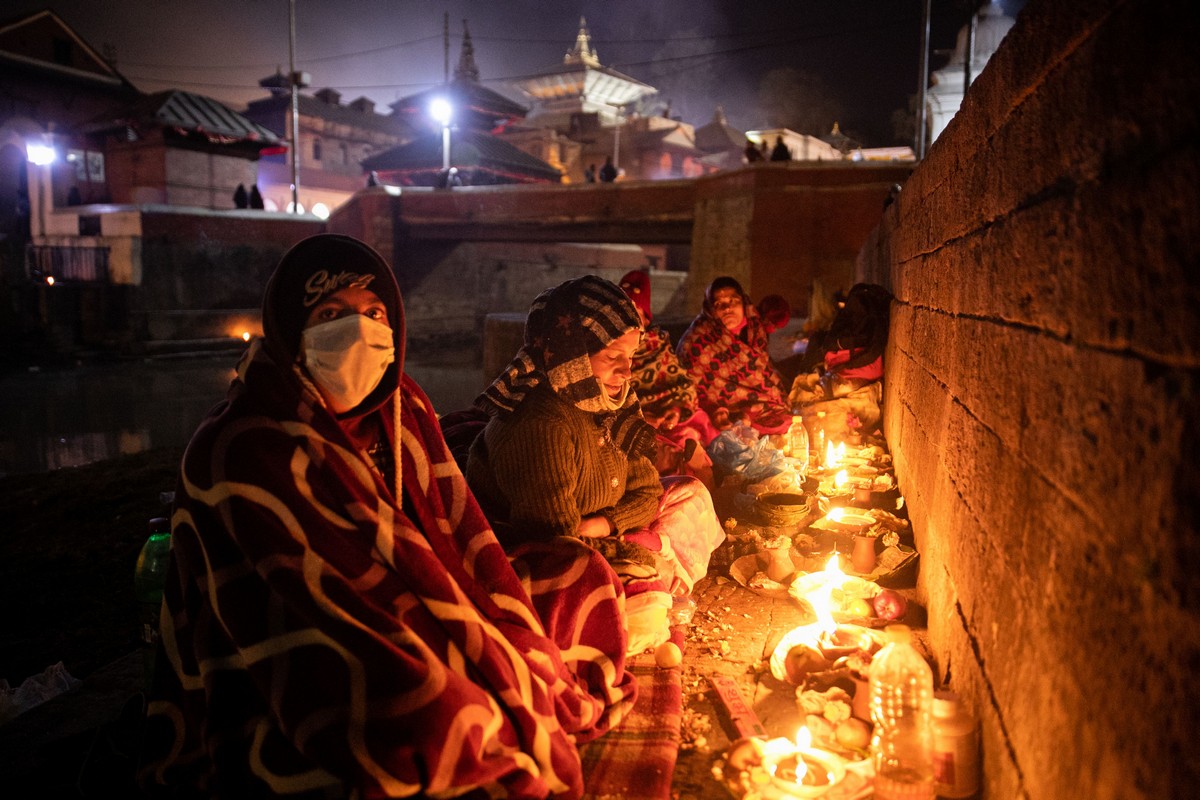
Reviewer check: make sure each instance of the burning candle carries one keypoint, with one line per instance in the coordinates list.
(834, 456)
(800, 770)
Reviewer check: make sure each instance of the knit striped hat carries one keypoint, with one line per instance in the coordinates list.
(566, 325)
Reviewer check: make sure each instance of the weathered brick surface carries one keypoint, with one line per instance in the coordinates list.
(1041, 398)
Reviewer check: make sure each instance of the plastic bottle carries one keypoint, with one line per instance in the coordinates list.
(955, 747)
(149, 577)
(797, 443)
(901, 684)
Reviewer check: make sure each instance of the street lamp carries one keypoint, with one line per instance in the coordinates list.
(40, 153)
(441, 111)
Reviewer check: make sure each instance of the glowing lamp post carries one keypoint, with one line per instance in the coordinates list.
(40, 153)
(441, 111)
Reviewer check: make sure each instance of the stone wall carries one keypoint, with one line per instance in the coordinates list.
(1041, 399)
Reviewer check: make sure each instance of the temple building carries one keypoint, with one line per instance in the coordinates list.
(50, 80)
(581, 113)
(477, 153)
(723, 145)
(335, 137)
(948, 84)
(581, 86)
(178, 148)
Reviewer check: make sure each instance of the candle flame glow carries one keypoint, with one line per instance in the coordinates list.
(834, 455)
(821, 598)
(836, 514)
(803, 742)
(841, 479)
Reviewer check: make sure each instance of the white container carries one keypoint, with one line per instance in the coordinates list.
(955, 747)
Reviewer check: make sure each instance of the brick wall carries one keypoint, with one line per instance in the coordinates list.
(1041, 398)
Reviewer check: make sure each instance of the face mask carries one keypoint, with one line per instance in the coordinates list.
(347, 358)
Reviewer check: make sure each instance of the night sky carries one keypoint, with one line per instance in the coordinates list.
(859, 58)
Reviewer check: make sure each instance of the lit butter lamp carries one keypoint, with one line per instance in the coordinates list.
(827, 592)
(784, 769)
(797, 769)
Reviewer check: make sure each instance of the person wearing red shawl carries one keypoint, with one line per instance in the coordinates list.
(725, 353)
(667, 394)
(339, 620)
(565, 454)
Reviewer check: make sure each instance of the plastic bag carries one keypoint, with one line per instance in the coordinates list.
(741, 450)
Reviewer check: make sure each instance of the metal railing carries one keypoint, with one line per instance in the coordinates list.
(67, 264)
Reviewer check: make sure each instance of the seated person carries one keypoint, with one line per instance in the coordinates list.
(845, 383)
(566, 454)
(807, 348)
(667, 394)
(725, 353)
(339, 620)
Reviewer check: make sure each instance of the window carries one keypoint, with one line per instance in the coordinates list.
(95, 167)
(78, 159)
(88, 165)
(316, 149)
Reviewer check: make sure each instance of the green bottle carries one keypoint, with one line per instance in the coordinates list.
(149, 577)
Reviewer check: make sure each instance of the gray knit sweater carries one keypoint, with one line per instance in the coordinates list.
(539, 470)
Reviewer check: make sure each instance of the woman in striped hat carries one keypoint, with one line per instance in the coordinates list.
(566, 452)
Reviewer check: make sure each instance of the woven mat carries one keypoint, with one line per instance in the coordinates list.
(635, 760)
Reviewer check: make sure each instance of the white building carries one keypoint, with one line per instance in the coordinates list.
(948, 84)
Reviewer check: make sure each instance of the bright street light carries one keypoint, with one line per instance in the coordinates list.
(441, 110)
(40, 153)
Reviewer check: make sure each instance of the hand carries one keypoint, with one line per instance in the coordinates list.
(678, 587)
(595, 527)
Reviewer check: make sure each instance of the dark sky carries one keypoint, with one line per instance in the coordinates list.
(698, 52)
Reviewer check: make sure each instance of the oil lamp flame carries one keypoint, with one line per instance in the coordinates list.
(836, 514)
(841, 479)
(834, 455)
(803, 743)
(821, 599)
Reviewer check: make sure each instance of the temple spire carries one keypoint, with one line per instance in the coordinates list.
(466, 69)
(583, 52)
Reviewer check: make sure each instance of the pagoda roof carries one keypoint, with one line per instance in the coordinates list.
(719, 135)
(468, 149)
(485, 107)
(188, 114)
(582, 75)
(601, 84)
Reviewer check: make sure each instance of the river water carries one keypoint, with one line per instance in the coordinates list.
(57, 418)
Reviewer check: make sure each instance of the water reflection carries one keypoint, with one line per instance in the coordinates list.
(69, 417)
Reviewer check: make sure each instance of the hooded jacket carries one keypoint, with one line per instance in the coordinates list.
(328, 631)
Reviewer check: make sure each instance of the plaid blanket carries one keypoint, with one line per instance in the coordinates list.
(635, 760)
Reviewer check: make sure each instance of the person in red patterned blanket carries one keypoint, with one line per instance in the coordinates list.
(725, 353)
(667, 394)
(339, 619)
